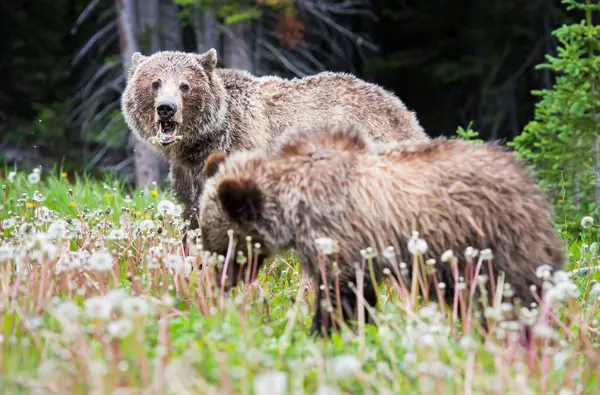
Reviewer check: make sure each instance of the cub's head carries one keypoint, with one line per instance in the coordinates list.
(171, 96)
(240, 194)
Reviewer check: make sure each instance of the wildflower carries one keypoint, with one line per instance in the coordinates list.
(447, 256)
(177, 211)
(543, 271)
(73, 204)
(561, 201)
(63, 175)
(117, 234)
(486, 254)
(154, 193)
(587, 222)
(135, 307)
(68, 310)
(6, 253)
(127, 199)
(33, 178)
(271, 383)
(57, 230)
(178, 265)
(544, 331)
(327, 390)
(471, 252)
(417, 245)
(326, 245)
(389, 253)
(559, 359)
(11, 177)
(8, 223)
(101, 261)
(165, 207)
(146, 225)
(97, 308)
(120, 328)
(116, 296)
(368, 253)
(595, 290)
(344, 366)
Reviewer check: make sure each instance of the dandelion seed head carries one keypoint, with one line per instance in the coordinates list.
(587, 222)
(98, 308)
(33, 178)
(326, 245)
(416, 245)
(447, 256)
(344, 366)
(120, 328)
(272, 383)
(101, 261)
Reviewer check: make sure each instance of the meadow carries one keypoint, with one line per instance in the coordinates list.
(96, 297)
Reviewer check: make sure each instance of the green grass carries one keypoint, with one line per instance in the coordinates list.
(171, 332)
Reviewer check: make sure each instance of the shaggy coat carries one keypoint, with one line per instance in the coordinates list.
(212, 109)
(337, 184)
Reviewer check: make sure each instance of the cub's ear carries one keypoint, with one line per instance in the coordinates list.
(241, 199)
(208, 59)
(136, 59)
(213, 162)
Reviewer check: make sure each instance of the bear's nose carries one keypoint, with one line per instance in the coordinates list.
(166, 109)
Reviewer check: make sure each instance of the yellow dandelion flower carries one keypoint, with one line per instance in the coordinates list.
(154, 193)
(63, 174)
(138, 213)
(29, 205)
(560, 201)
(146, 217)
(564, 232)
(107, 195)
(72, 204)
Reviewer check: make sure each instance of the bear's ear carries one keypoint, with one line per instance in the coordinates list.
(213, 162)
(136, 59)
(241, 199)
(208, 59)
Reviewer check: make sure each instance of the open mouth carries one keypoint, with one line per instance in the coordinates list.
(166, 132)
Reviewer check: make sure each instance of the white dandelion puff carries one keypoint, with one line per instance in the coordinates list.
(587, 222)
(326, 245)
(417, 245)
(33, 178)
(271, 383)
(97, 308)
(11, 177)
(344, 366)
(165, 207)
(101, 261)
(120, 328)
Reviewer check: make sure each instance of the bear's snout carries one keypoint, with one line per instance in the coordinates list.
(166, 110)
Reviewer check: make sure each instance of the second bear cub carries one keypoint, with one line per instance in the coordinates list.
(336, 184)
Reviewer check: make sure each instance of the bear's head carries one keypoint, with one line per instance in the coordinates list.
(172, 96)
(239, 195)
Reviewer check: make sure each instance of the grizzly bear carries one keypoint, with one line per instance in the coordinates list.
(187, 108)
(335, 183)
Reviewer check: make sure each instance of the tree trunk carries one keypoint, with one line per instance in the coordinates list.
(148, 168)
(206, 29)
(237, 44)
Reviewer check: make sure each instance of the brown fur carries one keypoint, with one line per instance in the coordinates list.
(231, 110)
(337, 184)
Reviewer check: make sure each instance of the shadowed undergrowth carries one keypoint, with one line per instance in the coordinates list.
(97, 297)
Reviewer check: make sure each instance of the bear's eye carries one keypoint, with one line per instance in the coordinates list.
(184, 87)
(156, 85)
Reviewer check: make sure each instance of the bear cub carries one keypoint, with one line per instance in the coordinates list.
(335, 183)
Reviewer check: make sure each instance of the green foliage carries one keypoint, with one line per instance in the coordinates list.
(562, 140)
(469, 134)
